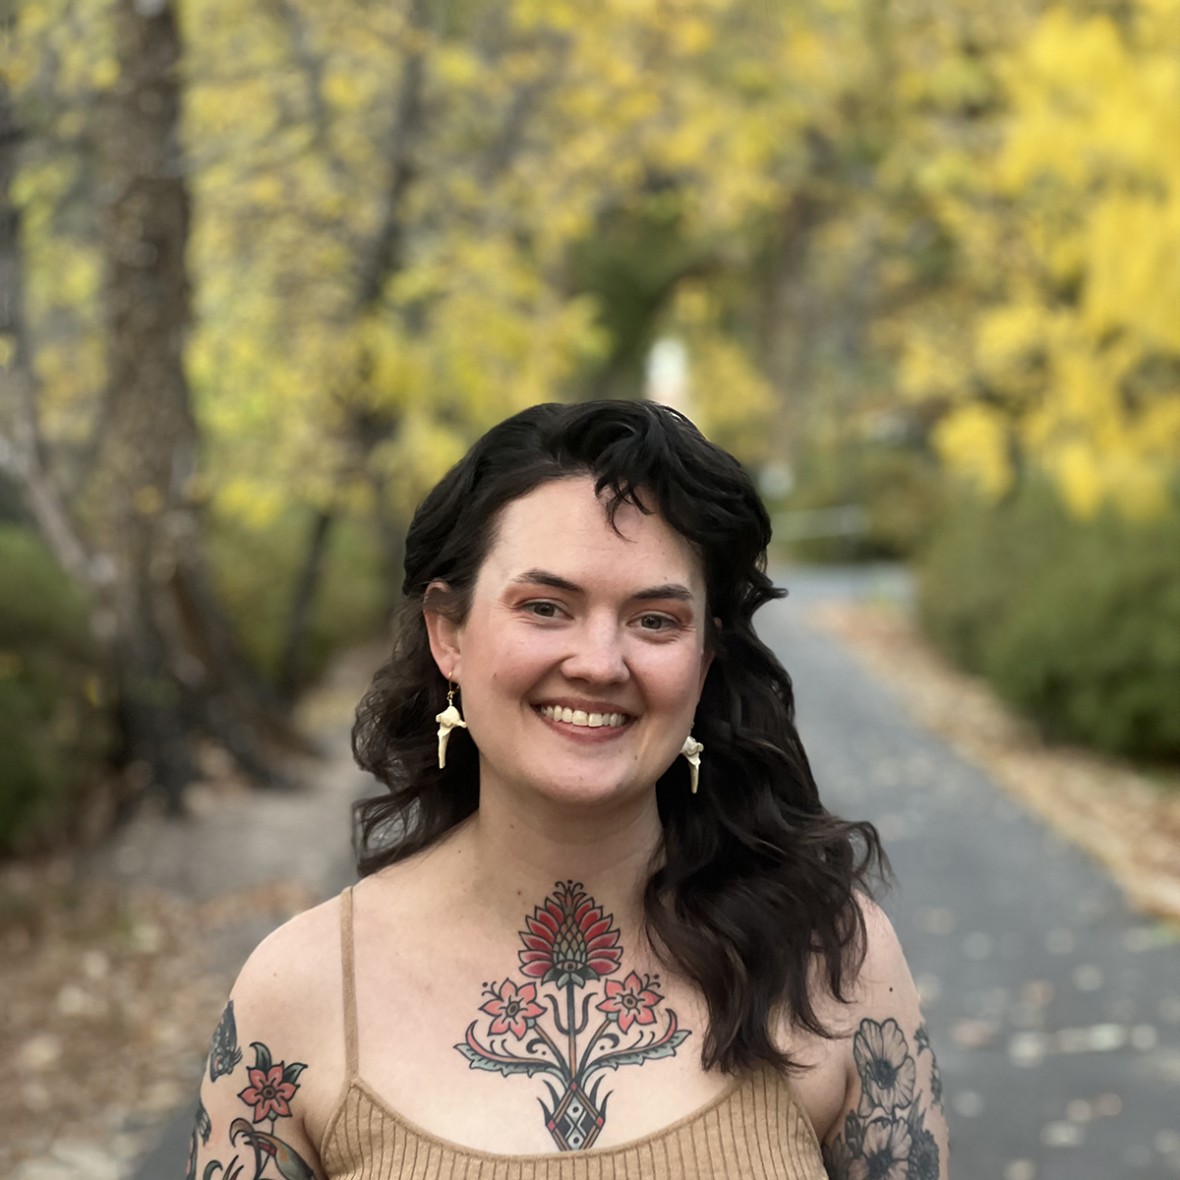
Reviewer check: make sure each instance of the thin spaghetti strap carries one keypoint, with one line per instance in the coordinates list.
(347, 968)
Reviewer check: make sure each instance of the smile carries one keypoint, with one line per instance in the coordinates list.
(580, 718)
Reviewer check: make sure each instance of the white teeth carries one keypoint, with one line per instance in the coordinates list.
(582, 718)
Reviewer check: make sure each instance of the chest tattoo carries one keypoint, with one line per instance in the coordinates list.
(565, 1021)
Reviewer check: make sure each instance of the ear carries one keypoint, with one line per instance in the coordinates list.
(445, 635)
(707, 659)
(706, 663)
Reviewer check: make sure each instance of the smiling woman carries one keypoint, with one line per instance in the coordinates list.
(601, 848)
(614, 632)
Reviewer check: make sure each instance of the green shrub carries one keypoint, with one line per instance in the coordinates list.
(1075, 623)
(255, 573)
(903, 491)
(897, 487)
(54, 734)
(977, 560)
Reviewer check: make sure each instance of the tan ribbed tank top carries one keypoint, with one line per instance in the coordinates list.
(756, 1130)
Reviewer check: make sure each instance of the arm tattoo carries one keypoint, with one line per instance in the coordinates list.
(568, 944)
(224, 1053)
(885, 1137)
(922, 1040)
(259, 1153)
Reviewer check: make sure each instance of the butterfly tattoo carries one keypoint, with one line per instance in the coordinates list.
(224, 1053)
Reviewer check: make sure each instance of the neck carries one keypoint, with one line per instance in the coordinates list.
(511, 858)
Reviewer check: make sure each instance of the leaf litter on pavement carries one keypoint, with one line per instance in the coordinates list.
(1127, 819)
(111, 982)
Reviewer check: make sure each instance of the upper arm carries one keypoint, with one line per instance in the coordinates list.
(255, 1099)
(892, 1124)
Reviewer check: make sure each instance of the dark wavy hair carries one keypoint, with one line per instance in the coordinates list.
(755, 883)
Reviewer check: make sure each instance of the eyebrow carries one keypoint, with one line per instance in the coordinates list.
(539, 577)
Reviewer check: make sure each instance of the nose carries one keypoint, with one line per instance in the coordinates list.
(596, 654)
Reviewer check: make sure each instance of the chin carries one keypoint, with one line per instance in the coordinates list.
(582, 793)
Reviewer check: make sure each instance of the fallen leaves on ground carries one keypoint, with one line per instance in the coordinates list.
(111, 988)
(107, 992)
(1128, 820)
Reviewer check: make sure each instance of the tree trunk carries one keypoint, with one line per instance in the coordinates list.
(178, 669)
(150, 442)
(788, 328)
(302, 601)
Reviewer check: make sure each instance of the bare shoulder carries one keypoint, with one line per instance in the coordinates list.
(892, 1119)
(291, 968)
(276, 1058)
(884, 976)
(290, 992)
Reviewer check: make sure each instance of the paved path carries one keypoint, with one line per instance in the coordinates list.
(307, 838)
(1055, 1012)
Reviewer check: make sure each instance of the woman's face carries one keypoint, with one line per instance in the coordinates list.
(582, 657)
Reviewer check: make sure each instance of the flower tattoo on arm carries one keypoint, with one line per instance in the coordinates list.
(539, 1027)
(886, 1137)
(271, 1086)
(259, 1153)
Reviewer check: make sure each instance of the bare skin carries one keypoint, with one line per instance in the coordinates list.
(411, 1057)
(472, 1009)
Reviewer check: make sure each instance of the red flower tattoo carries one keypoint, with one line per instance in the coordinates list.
(272, 1086)
(568, 939)
(268, 1093)
(630, 1002)
(515, 1009)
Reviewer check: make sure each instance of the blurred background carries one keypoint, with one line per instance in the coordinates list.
(266, 271)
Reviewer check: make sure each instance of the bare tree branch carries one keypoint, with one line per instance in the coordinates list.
(22, 448)
(385, 255)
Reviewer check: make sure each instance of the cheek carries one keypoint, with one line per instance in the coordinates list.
(510, 664)
(676, 681)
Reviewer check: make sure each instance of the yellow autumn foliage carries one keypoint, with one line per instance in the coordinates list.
(987, 210)
(976, 441)
(1063, 207)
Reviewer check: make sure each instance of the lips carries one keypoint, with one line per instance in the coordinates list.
(584, 718)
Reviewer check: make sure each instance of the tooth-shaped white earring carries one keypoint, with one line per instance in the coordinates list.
(692, 753)
(448, 719)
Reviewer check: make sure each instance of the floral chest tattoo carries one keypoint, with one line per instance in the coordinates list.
(565, 1021)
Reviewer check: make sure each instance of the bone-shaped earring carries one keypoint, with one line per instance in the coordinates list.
(448, 719)
(692, 753)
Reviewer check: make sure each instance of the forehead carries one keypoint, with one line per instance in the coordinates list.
(563, 527)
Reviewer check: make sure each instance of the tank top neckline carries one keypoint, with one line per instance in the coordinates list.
(356, 1083)
(461, 1150)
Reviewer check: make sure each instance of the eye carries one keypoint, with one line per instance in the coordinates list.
(542, 609)
(652, 622)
